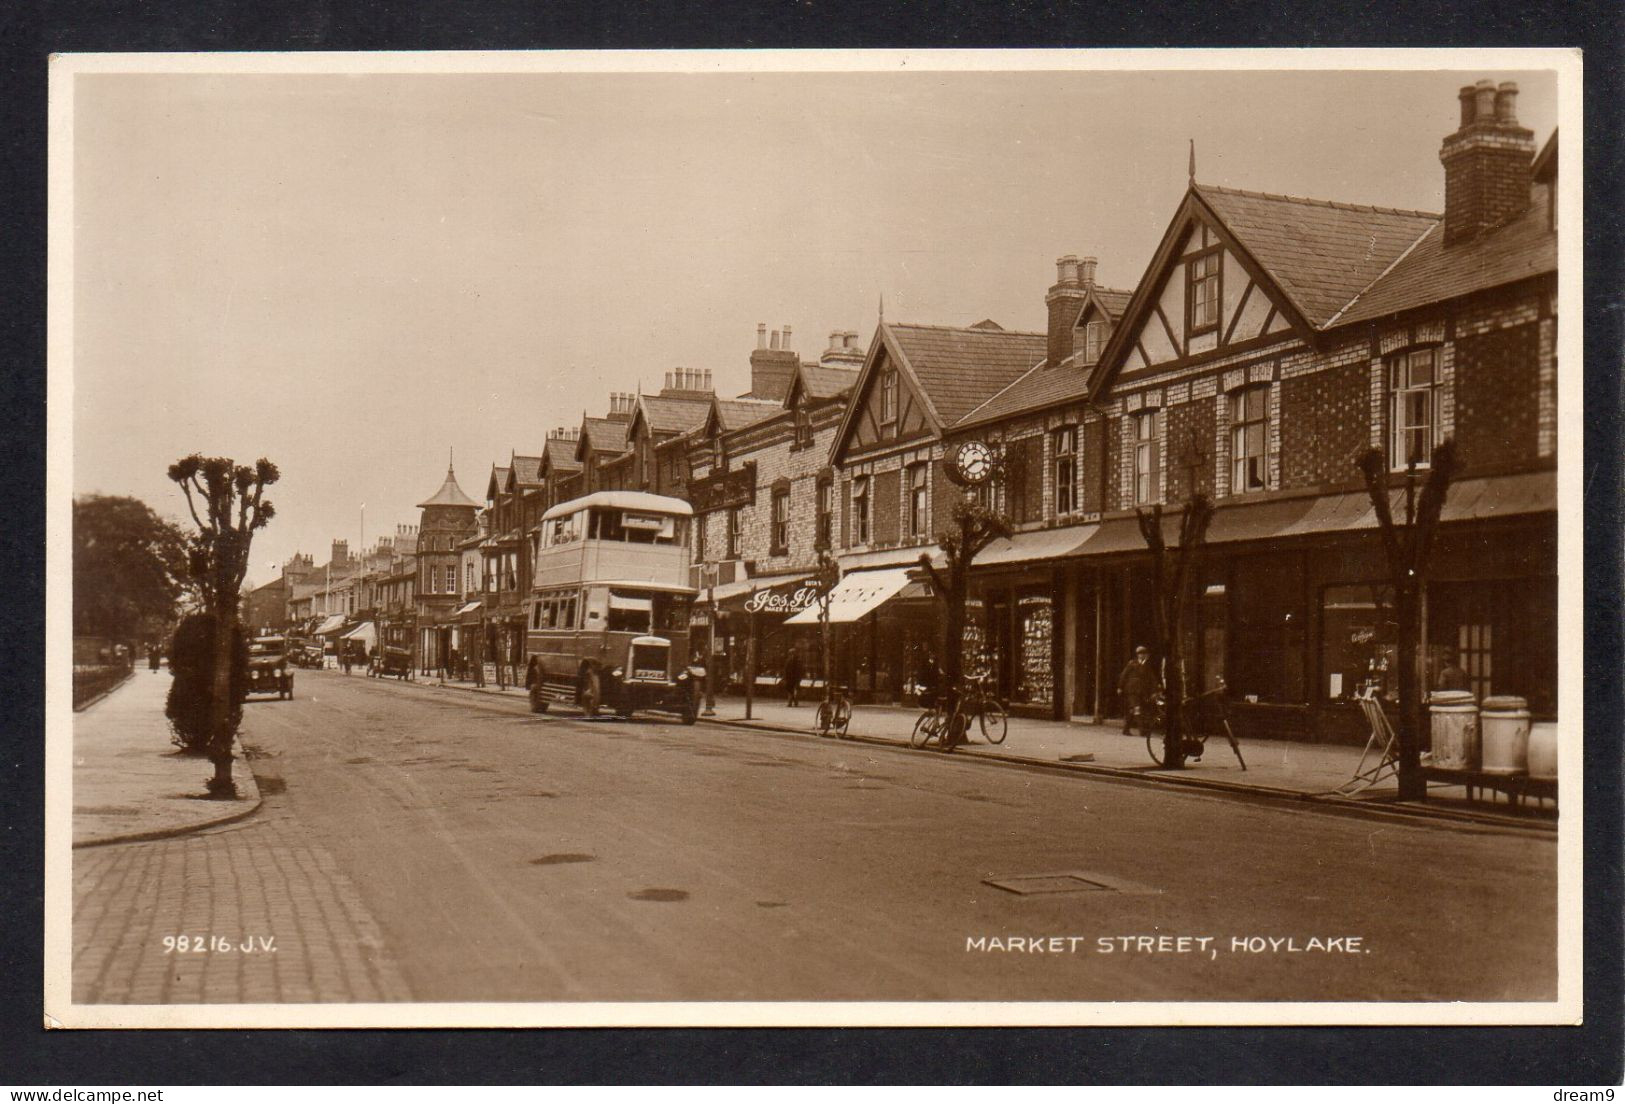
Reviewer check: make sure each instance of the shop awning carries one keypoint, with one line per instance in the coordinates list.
(332, 624)
(1041, 544)
(366, 632)
(857, 594)
(889, 557)
(468, 608)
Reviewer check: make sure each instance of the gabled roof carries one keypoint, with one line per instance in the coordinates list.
(497, 482)
(604, 435)
(732, 414)
(560, 455)
(524, 471)
(449, 494)
(669, 415)
(1320, 254)
(959, 368)
(818, 381)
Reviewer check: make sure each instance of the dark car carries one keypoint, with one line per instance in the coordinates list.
(268, 671)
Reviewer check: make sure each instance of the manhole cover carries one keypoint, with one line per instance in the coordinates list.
(1066, 881)
(1028, 885)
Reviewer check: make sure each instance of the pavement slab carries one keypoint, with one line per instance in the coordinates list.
(130, 781)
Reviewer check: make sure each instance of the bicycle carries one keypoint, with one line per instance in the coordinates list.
(947, 728)
(1200, 724)
(834, 713)
(980, 702)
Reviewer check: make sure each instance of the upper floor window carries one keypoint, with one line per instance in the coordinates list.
(469, 581)
(804, 427)
(451, 578)
(699, 537)
(719, 455)
(645, 468)
(1065, 442)
(918, 501)
(1202, 292)
(1147, 457)
(736, 531)
(1412, 377)
(781, 521)
(888, 396)
(826, 513)
(1094, 337)
(1249, 440)
(860, 510)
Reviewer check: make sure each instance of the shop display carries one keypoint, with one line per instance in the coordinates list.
(1035, 644)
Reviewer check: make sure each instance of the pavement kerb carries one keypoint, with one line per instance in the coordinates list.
(242, 809)
(1331, 803)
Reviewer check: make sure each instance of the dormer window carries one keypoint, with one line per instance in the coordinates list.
(804, 429)
(1202, 292)
(888, 397)
(719, 455)
(1094, 339)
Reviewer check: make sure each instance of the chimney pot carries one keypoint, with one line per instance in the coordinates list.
(668, 381)
(1506, 103)
(786, 343)
(761, 335)
(1484, 93)
(707, 385)
(1066, 270)
(773, 342)
(1467, 96)
(1086, 271)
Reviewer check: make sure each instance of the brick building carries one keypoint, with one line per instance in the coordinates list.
(1271, 340)
(447, 519)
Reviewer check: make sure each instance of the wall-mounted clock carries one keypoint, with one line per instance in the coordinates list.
(970, 463)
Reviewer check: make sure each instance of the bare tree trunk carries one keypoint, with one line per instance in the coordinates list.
(1412, 784)
(220, 733)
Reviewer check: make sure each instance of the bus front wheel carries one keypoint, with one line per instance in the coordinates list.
(589, 692)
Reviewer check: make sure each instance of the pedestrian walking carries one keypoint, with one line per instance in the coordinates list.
(1138, 683)
(792, 678)
(344, 656)
(154, 658)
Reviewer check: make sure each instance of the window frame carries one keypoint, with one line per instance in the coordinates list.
(1393, 364)
(862, 510)
(736, 531)
(1094, 340)
(1064, 461)
(779, 521)
(1147, 447)
(919, 499)
(888, 396)
(719, 455)
(1193, 282)
(824, 508)
(1237, 400)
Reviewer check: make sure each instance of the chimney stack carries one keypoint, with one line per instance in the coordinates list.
(1065, 302)
(1487, 162)
(341, 552)
(772, 365)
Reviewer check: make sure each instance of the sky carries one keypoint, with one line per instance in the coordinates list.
(359, 276)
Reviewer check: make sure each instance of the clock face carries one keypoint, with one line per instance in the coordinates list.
(975, 461)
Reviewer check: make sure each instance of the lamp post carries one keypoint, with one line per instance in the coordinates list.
(710, 572)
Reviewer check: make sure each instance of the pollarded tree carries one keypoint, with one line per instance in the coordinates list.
(975, 527)
(227, 502)
(1172, 572)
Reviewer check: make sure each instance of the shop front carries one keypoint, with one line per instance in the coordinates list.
(885, 628)
(751, 616)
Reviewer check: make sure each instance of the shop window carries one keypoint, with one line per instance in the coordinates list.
(1357, 640)
(860, 510)
(1065, 443)
(824, 537)
(1412, 409)
(917, 500)
(781, 522)
(1202, 292)
(1267, 639)
(1249, 440)
(1147, 457)
(736, 526)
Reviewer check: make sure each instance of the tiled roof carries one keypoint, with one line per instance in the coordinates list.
(499, 478)
(1115, 300)
(527, 470)
(960, 368)
(823, 382)
(666, 415)
(449, 494)
(1321, 254)
(1430, 273)
(561, 455)
(607, 436)
(739, 413)
(1041, 386)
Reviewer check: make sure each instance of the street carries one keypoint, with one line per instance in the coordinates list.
(432, 844)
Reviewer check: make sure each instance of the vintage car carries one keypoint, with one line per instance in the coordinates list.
(391, 662)
(268, 671)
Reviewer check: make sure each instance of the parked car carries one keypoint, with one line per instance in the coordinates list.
(390, 662)
(268, 671)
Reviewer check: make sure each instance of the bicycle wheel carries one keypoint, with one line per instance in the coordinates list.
(826, 718)
(994, 722)
(952, 732)
(843, 716)
(925, 728)
(1153, 744)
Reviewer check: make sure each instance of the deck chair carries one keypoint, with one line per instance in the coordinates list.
(1380, 759)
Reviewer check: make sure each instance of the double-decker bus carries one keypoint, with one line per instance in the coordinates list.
(608, 612)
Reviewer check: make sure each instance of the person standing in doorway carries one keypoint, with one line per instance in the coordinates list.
(1138, 683)
(792, 678)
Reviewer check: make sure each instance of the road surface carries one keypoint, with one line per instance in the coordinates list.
(433, 844)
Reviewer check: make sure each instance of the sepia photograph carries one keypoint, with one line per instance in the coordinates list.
(814, 538)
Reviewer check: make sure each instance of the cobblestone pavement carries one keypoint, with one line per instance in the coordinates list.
(265, 885)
